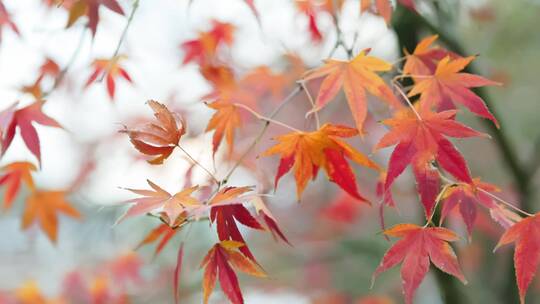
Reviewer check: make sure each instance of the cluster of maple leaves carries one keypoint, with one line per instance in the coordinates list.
(423, 119)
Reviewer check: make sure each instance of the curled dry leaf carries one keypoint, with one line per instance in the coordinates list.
(158, 139)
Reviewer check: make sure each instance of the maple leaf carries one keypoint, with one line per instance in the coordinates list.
(221, 261)
(5, 20)
(224, 123)
(23, 119)
(448, 86)
(423, 61)
(526, 235)
(43, 207)
(111, 69)
(49, 68)
(171, 206)
(15, 174)
(163, 231)
(90, 8)
(203, 49)
(355, 76)
(416, 248)
(420, 141)
(306, 152)
(384, 8)
(312, 8)
(467, 197)
(268, 219)
(160, 138)
(226, 210)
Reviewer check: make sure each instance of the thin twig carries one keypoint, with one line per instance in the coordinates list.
(267, 119)
(396, 85)
(198, 164)
(261, 133)
(72, 59)
(123, 36)
(450, 181)
(310, 98)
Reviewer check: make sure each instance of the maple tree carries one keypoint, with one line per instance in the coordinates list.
(418, 113)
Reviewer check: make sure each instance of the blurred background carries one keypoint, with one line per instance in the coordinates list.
(336, 243)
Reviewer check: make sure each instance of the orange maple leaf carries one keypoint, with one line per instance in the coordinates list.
(221, 261)
(90, 8)
(423, 61)
(306, 152)
(5, 20)
(384, 8)
(419, 245)
(204, 48)
(448, 85)
(163, 231)
(526, 235)
(355, 76)
(43, 207)
(224, 123)
(15, 173)
(171, 206)
(158, 139)
(110, 69)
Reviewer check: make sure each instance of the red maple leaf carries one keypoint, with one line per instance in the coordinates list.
(15, 174)
(226, 218)
(416, 248)
(23, 119)
(204, 48)
(90, 8)
(526, 235)
(467, 196)
(5, 20)
(448, 85)
(220, 261)
(420, 141)
(110, 69)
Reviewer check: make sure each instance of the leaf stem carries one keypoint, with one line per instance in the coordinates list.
(198, 164)
(64, 71)
(261, 132)
(310, 98)
(264, 118)
(122, 36)
(400, 91)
